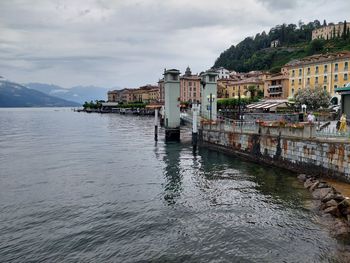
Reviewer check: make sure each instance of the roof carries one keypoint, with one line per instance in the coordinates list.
(267, 104)
(343, 89)
(319, 58)
(278, 76)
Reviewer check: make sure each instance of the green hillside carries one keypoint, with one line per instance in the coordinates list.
(255, 53)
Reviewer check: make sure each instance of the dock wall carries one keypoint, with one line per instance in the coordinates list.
(299, 153)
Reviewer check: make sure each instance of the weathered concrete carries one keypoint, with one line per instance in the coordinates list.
(319, 157)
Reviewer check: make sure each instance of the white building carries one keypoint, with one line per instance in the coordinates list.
(223, 73)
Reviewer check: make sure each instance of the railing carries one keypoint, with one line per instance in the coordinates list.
(331, 132)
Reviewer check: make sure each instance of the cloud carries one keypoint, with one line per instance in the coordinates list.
(128, 43)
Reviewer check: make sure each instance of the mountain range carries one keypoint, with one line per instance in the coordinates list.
(16, 95)
(78, 94)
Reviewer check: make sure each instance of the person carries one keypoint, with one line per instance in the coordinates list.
(342, 126)
(311, 117)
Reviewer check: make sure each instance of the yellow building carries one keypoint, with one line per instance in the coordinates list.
(330, 31)
(153, 95)
(326, 71)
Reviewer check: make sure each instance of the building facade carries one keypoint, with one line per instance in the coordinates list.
(325, 71)
(330, 31)
(223, 73)
(190, 90)
(276, 86)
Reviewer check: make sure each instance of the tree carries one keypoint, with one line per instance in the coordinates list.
(314, 99)
(252, 89)
(344, 30)
(324, 22)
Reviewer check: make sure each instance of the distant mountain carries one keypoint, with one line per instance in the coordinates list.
(78, 94)
(15, 95)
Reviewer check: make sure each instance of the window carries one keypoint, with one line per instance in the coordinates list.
(292, 91)
(325, 88)
(299, 81)
(292, 82)
(316, 70)
(346, 65)
(211, 78)
(293, 73)
(336, 77)
(325, 79)
(336, 67)
(190, 83)
(325, 68)
(316, 80)
(335, 86)
(308, 71)
(345, 76)
(300, 71)
(308, 81)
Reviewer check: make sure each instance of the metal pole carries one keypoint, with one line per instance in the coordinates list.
(156, 125)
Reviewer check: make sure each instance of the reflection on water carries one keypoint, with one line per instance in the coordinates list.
(96, 188)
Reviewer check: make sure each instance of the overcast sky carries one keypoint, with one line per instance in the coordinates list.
(114, 43)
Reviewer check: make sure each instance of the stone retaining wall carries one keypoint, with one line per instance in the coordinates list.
(318, 157)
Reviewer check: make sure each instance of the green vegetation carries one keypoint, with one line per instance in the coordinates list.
(98, 105)
(233, 103)
(255, 53)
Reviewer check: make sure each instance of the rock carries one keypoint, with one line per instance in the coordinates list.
(333, 210)
(320, 193)
(328, 197)
(340, 228)
(308, 183)
(302, 177)
(339, 198)
(345, 211)
(331, 203)
(314, 186)
(322, 185)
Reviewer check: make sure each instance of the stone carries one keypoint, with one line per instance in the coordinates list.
(302, 177)
(333, 210)
(313, 186)
(340, 228)
(322, 185)
(308, 183)
(320, 193)
(331, 203)
(328, 197)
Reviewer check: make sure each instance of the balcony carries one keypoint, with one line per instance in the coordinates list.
(275, 89)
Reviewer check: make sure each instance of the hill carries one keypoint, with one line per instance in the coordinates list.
(294, 42)
(15, 95)
(78, 94)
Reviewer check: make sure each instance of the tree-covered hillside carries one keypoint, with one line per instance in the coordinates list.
(255, 53)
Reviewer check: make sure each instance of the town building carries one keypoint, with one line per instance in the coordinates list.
(330, 31)
(325, 71)
(113, 95)
(190, 90)
(161, 91)
(276, 86)
(275, 43)
(223, 73)
(242, 84)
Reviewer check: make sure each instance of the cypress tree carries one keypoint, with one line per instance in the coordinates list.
(344, 30)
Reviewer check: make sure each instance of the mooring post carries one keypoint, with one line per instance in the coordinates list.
(156, 125)
(194, 126)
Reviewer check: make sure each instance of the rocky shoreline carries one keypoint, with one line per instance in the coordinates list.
(331, 203)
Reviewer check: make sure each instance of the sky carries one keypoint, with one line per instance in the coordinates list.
(115, 43)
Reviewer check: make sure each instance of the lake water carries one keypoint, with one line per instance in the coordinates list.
(77, 187)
